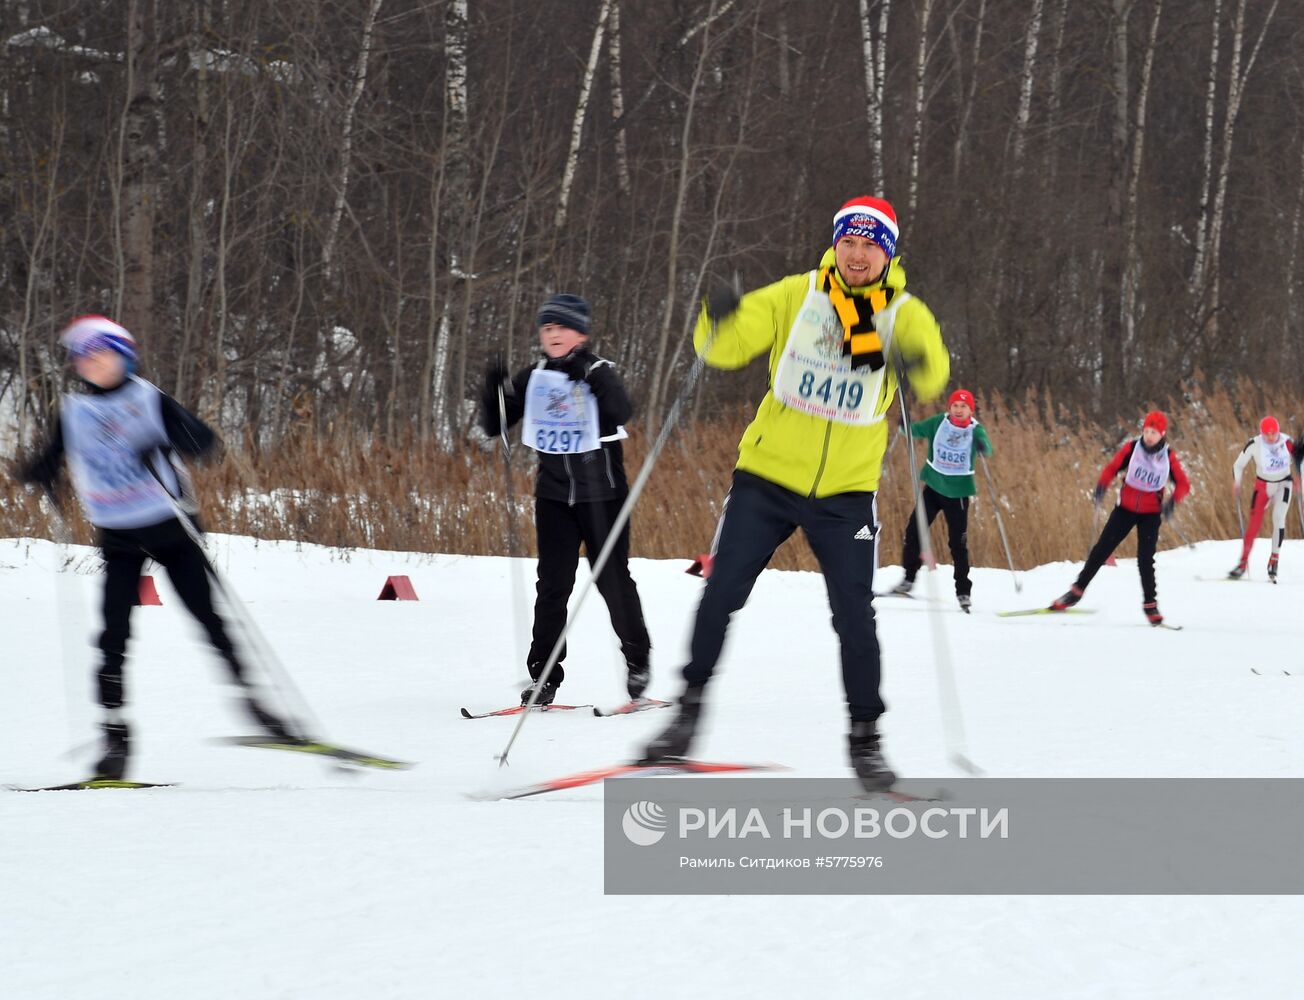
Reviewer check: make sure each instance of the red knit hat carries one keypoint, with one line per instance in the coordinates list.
(962, 396)
(872, 218)
(1268, 426)
(1157, 420)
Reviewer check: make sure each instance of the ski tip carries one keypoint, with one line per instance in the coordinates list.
(467, 715)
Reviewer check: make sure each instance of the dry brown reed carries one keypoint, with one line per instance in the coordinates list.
(348, 492)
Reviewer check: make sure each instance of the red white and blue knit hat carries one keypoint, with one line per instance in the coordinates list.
(88, 334)
(872, 218)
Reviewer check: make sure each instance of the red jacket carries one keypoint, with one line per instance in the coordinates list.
(1136, 500)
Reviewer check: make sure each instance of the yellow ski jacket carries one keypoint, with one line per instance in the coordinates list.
(802, 452)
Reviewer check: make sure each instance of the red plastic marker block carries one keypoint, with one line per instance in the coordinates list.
(397, 588)
(147, 593)
(701, 566)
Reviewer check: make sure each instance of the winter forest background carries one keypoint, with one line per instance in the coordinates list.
(321, 220)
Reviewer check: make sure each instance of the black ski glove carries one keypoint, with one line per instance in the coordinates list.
(575, 367)
(1168, 509)
(721, 302)
(1098, 494)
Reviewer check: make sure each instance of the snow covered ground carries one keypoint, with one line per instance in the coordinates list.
(266, 875)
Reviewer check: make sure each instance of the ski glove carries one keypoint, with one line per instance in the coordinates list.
(1168, 509)
(575, 367)
(1098, 494)
(721, 302)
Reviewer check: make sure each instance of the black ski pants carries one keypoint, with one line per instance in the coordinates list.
(1121, 522)
(125, 552)
(956, 511)
(759, 516)
(560, 529)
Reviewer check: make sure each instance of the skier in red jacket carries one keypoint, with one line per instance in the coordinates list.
(1148, 465)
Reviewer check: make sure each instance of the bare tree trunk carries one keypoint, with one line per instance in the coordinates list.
(346, 137)
(1206, 181)
(229, 161)
(581, 110)
(1113, 348)
(455, 170)
(139, 157)
(1054, 91)
(198, 47)
(1235, 94)
(1290, 341)
(618, 100)
(36, 250)
(1024, 114)
(874, 56)
(659, 374)
(1132, 258)
(917, 133)
(967, 99)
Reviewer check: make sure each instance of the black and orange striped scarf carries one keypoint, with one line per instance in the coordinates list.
(860, 341)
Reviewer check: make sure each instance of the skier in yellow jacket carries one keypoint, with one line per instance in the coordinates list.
(812, 457)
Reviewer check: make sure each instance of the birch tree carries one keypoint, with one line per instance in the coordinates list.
(581, 110)
(917, 132)
(346, 137)
(1237, 79)
(1024, 113)
(138, 159)
(874, 59)
(618, 100)
(451, 193)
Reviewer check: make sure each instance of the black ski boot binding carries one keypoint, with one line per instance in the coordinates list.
(117, 747)
(637, 680)
(867, 758)
(677, 737)
(547, 694)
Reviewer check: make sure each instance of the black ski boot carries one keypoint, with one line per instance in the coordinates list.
(677, 737)
(117, 747)
(547, 695)
(637, 680)
(1067, 600)
(867, 758)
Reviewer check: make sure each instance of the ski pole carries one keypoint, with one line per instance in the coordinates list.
(1240, 515)
(947, 692)
(1000, 523)
(66, 596)
(258, 644)
(1180, 534)
(618, 526)
(513, 545)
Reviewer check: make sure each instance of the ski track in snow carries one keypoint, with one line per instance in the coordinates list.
(269, 875)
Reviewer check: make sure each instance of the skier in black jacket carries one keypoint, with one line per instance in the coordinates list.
(119, 437)
(573, 405)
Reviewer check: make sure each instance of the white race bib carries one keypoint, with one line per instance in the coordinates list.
(561, 416)
(953, 449)
(813, 376)
(1146, 472)
(1273, 460)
